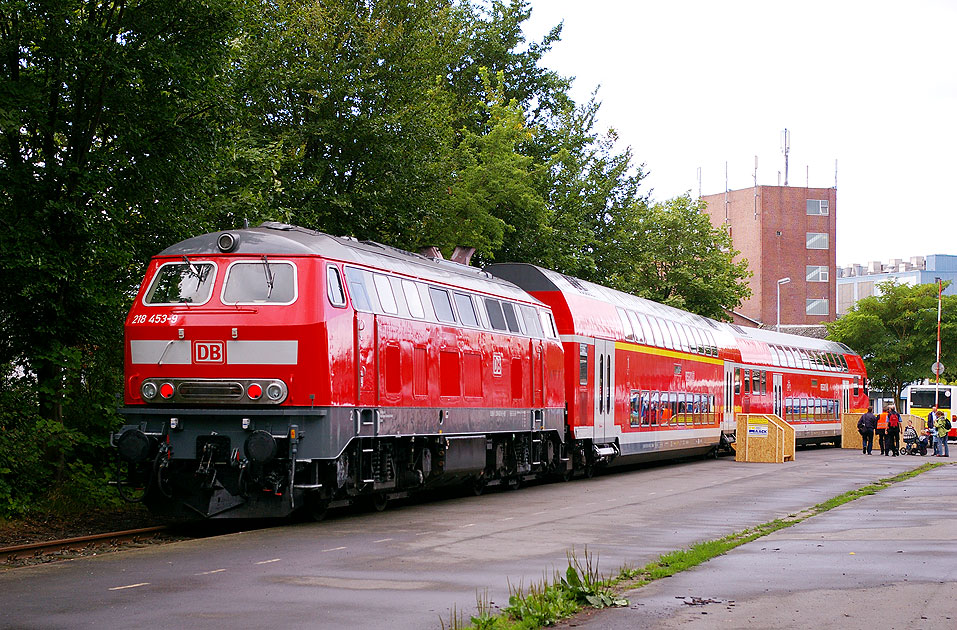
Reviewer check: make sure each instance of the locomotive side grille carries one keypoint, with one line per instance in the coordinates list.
(210, 390)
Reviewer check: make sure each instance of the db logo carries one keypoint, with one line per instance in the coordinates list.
(496, 363)
(208, 352)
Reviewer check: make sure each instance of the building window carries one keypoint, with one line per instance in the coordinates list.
(816, 273)
(816, 307)
(816, 240)
(817, 207)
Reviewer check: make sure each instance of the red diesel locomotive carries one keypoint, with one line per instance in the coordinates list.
(277, 368)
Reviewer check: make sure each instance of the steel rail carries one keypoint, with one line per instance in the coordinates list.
(38, 548)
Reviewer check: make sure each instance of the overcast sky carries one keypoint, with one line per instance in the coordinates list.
(698, 83)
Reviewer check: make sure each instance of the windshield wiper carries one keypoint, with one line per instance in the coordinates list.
(269, 277)
(193, 271)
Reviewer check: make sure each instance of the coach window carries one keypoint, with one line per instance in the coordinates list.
(635, 416)
(337, 295)
(656, 334)
(386, 297)
(627, 331)
(466, 309)
(495, 315)
(747, 381)
(671, 335)
(764, 382)
(737, 381)
(653, 409)
(645, 401)
(509, 309)
(755, 382)
(635, 326)
(583, 364)
(699, 344)
(857, 385)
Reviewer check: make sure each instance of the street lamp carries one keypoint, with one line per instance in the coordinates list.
(780, 282)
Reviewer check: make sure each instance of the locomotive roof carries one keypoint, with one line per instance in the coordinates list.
(280, 239)
(533, 278)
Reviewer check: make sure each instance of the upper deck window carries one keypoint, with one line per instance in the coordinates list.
(184, 282)
(260, 282)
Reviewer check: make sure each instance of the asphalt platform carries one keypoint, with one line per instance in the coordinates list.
(883, 561)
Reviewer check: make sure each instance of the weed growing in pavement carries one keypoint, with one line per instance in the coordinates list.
(543, 604)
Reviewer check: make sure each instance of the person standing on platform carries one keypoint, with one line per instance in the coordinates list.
(941, 436)
(881, 430)
(931, 431)
(866, 426)
(893, 431)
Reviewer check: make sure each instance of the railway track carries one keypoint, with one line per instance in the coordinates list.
(20, 554)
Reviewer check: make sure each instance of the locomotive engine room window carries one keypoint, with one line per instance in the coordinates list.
(337, 294)
(583, 364)
(360, 287)
(442, 305)
(548, 323)
(466, 309)
(386, 297)
(495, 315)
(510, 317)
(412, 298)
(260, 282)
(532, 324)
(181, 283)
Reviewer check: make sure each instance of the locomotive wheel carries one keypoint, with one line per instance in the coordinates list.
(316, 509)
(589, 471)
(380, 501)
(477, 486)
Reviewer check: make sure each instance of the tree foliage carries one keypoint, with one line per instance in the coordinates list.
(126, 125)
(896, 333)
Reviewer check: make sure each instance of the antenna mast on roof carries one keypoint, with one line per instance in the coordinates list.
(785, 149)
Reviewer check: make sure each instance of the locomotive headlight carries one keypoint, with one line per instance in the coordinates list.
(227, 241)
(148, 390)
(274, 391)
(166, 390)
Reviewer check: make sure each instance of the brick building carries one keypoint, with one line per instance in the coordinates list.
(783, 232)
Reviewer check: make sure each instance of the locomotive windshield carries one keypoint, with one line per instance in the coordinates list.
(260, 282)
(182, 283)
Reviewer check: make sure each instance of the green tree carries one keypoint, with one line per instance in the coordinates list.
(108, 115)
(896, 333)
(670, 253)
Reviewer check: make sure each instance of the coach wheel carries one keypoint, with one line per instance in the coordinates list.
(380, 501)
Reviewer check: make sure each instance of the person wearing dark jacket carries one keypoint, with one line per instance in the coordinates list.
(893, 431)
(866, 425)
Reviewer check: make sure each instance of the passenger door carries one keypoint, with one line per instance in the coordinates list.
(778, 395)
(604, 389)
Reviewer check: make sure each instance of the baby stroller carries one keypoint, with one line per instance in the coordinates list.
(914, 444)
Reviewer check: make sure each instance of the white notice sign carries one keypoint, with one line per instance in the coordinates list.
(758, 430)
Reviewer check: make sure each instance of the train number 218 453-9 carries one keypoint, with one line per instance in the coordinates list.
(157, 318)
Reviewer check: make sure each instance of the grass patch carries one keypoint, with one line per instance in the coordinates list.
(544, 603)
